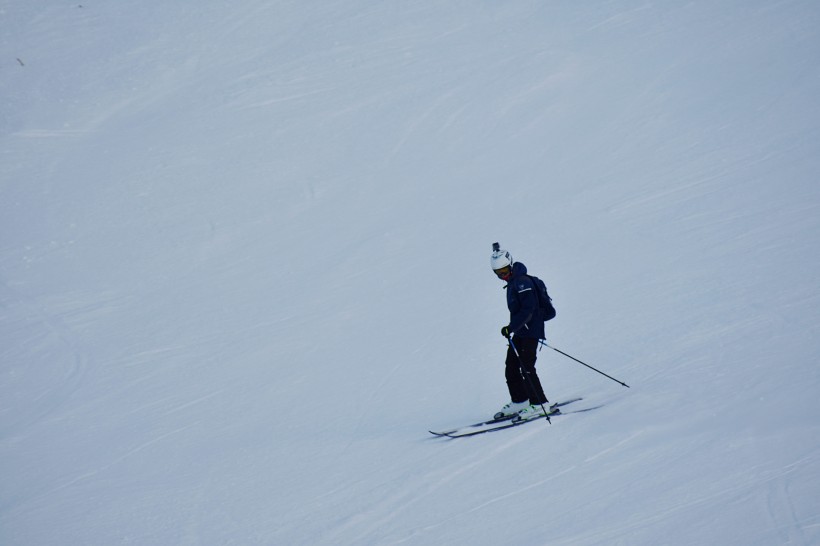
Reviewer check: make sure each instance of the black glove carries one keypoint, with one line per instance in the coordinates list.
(505, 331)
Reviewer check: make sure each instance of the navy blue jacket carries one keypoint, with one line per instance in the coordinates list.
(522, 301)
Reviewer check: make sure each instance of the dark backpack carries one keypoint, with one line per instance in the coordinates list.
(544, 299)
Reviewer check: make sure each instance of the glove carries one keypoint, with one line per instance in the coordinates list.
(505, 331)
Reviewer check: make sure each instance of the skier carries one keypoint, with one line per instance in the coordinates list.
(525, 329)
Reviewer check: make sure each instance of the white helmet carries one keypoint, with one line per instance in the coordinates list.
(500, 258)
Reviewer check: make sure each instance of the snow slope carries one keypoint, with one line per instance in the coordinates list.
(244, 268)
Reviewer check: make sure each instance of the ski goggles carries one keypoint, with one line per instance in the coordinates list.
(504, 271)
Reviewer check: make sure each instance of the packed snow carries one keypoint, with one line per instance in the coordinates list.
(244, 268)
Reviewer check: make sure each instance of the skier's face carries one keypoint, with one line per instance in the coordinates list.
(504, 273)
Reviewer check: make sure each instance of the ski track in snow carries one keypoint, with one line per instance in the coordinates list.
(59, 386)
(367, 523)
(131, 452)
(724, 496)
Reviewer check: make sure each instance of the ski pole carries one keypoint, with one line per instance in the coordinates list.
(544, 343)
(526, 374)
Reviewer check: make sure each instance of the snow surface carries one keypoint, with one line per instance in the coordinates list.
(244, 267)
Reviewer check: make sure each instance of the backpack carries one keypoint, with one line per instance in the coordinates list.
(544, 299)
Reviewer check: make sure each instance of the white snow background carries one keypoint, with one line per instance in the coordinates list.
(244, 265)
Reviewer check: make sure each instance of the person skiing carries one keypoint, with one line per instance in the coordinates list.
(525, 329)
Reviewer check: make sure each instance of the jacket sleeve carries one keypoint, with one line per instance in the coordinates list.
(525, 303)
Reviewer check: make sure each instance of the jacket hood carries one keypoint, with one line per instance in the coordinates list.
(518, 269)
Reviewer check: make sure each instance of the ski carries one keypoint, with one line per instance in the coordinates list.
(463, 433)
(474, 425)
(498, 424)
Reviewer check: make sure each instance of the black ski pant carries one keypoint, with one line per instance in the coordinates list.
(523, 387)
